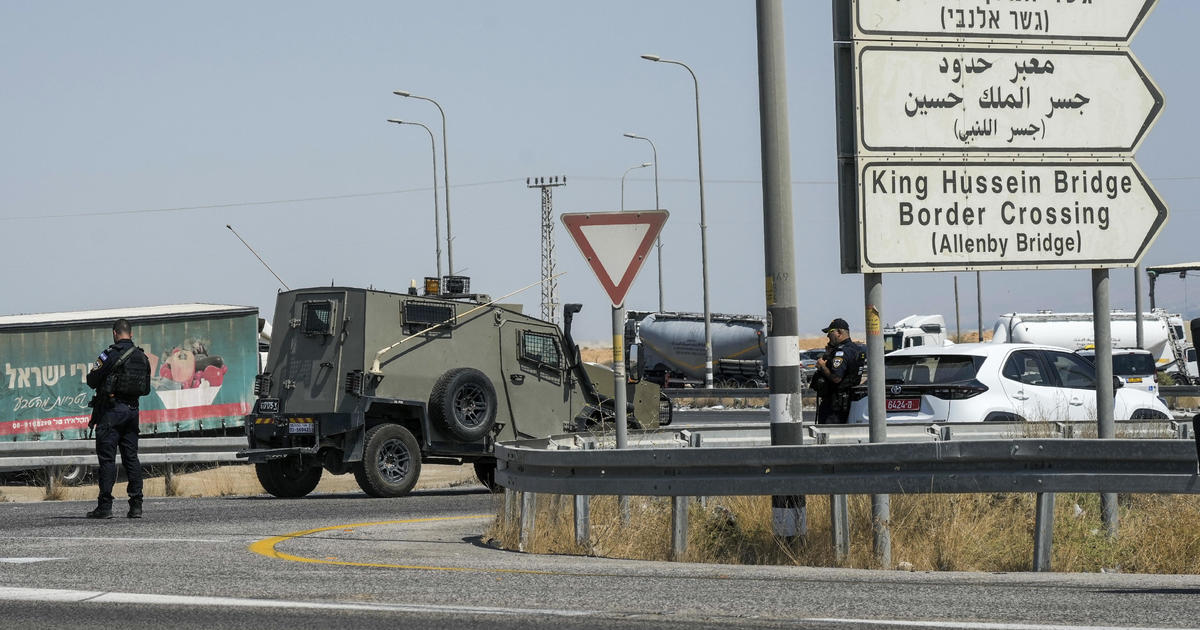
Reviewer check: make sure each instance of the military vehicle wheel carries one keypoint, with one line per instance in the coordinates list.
(72, 475)
(391, 462)
(485, 471)
(464, 402)
(286, 478)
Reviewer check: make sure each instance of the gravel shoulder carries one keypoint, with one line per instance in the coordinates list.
(235, 480)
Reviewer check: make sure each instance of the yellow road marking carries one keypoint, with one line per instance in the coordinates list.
(266, 547)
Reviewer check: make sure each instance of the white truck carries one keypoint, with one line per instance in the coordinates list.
(915, 330)
(1162, 334)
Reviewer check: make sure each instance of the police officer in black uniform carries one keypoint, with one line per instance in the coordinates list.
(115, 419)
(841, 368)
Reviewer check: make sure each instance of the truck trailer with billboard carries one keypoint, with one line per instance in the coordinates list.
(203, 358)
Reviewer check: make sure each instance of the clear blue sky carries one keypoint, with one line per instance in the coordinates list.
(135, 131)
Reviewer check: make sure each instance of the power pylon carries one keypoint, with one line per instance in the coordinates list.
(549, 283)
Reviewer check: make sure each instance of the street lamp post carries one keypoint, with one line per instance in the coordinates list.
(642, 165)
(437, 229)
(445, 175)
(708, 361)
(657, 206)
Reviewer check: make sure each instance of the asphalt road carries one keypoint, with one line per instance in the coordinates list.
(349, 561)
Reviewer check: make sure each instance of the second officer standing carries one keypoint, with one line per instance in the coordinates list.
(841, 368)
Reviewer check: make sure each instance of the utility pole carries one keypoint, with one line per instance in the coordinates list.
(549, 284)
(789, 516)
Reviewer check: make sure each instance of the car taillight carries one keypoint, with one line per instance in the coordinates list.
(957, 391)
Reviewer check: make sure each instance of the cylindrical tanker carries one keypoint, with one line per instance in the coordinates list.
(669, 348)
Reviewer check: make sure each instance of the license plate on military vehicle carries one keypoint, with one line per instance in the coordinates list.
(904, 404)
(300, 427)
(266, 405)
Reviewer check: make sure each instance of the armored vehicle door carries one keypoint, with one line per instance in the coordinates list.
(310, 352)
(537, 385)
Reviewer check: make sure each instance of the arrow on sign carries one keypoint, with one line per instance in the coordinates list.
(615, 245)
(985, 99)
(935, 215)
(1062, 21)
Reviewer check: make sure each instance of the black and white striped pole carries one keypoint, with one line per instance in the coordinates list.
(788, 513)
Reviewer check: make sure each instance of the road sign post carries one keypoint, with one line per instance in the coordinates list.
(976, 134)
(615, 245)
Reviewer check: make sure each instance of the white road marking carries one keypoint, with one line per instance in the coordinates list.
(27, 560)
(124, 539)
(12, 593)
(977, 625)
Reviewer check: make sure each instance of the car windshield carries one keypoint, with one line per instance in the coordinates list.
(1133, 364)
(931, 369)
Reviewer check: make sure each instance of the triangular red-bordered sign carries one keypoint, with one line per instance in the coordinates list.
(615, 244)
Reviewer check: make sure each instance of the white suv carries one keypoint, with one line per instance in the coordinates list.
(1004, 382)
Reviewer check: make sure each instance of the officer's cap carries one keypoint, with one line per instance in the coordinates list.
(837, 324)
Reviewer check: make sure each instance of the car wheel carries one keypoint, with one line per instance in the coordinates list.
(287, 478)
(1148, 414)
(1003, 416)
(464, 402)
(391, 462)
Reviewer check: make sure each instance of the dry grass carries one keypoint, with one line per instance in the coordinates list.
(54, 492)
(233, 480)
(975, 532)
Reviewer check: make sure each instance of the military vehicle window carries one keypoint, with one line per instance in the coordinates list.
(541, 349)
(418, 315)
(318, 318)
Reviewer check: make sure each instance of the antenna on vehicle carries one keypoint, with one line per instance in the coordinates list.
(239, 236)
(375, 366)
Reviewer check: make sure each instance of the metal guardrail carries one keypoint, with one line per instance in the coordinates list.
(759, 433)
(916, 459)
(684, 393)
(1023, 465)
(1179, 390)
(40, 453)
(688, 393)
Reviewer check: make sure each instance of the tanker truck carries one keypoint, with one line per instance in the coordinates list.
(1162, 334)
(667, 348)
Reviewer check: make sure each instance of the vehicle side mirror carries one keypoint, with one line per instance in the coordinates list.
(1117, 384)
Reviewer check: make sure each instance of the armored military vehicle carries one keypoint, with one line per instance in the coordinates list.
(375, 383)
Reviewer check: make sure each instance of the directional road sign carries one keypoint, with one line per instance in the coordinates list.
(992, 134)
(1001, 100)
(615, 245)
(932, 215)
(1068, 21)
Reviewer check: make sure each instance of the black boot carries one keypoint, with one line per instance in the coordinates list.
(135, 510)
(100, 512)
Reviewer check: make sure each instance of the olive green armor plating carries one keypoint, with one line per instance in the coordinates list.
(375, 383)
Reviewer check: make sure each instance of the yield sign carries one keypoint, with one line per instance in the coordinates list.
(615, 244)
